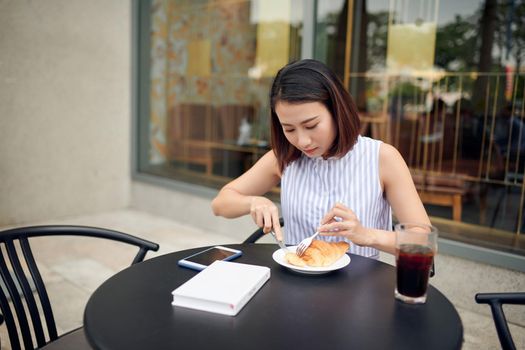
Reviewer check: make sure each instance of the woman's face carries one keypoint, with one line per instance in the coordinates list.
(307, 126)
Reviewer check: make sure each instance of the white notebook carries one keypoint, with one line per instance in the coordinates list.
(224, 287)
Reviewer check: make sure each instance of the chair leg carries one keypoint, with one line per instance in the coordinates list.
(500, 321)
(501, 197)
(456, 207)
(482, 204)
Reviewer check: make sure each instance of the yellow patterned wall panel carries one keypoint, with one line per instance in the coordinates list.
(273, 36)
(199, 58)
(201, 54)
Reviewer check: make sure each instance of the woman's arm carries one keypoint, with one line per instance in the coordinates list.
(244, 195)
(400, 192)
(399, 187)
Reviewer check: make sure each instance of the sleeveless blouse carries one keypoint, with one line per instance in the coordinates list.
(311, 186)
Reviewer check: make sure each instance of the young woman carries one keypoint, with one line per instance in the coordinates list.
(332, 179)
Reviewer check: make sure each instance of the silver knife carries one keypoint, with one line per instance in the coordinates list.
(280, 243)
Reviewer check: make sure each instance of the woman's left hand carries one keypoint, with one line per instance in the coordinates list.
(342, 221)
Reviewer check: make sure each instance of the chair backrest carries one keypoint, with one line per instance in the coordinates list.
(254, 237)
(19, 273)
(496, 300)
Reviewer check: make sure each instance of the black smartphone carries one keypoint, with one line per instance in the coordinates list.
(203, 259)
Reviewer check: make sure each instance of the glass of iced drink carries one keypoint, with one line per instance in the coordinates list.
(416, 245)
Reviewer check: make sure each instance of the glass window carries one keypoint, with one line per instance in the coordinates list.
(330, 33)
(439, 79)
(210, 67)
(442, 81)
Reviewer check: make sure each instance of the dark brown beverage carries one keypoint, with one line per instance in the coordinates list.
(413, 269)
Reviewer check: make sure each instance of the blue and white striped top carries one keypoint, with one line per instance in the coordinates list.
(311, 186)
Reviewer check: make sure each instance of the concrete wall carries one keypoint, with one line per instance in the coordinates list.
(188, 208)
(65, 76)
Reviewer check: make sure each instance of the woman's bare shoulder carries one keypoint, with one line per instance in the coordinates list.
(267, 164)
(387, 150)
(388, 154)
(391, 163)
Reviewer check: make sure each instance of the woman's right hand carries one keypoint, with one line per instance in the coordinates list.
(266, 215)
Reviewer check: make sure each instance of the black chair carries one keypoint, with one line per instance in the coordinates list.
(18, 285)
(496, 301)
(254, 237)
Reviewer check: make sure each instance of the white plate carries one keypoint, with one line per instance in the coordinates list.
(279, 258)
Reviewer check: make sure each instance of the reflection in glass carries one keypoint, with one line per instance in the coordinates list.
(441, 80)
(211, 64)
(457, 117)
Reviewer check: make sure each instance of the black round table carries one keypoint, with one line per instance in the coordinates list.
(351, 308)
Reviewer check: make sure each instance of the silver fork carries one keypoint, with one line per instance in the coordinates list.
(305, 243)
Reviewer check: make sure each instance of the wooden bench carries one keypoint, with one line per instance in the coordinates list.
(441, 189)
(195, 130)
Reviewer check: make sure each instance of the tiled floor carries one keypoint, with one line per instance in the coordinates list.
(74, 267)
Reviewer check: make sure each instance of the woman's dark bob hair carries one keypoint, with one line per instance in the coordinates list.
(312, 81)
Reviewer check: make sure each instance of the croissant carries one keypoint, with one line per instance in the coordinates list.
(319, 254)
